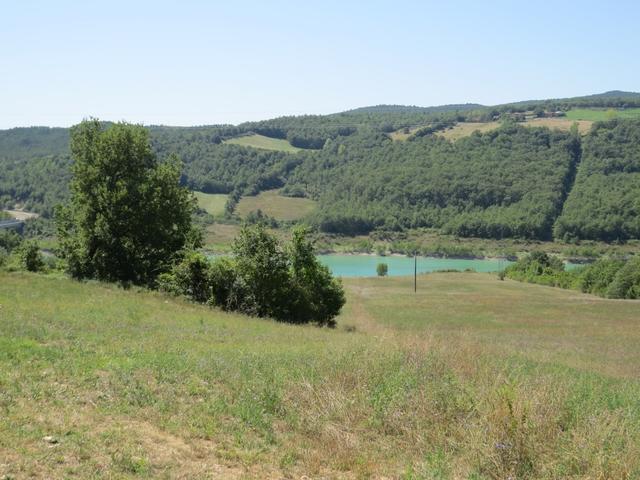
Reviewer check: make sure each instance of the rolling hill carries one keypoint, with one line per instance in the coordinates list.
(502, 181)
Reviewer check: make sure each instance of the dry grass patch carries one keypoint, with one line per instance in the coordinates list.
(561, 123)
(464, 129)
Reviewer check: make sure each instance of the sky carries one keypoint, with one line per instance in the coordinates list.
(209, 62)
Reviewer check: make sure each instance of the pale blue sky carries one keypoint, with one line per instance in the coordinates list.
(196, 62)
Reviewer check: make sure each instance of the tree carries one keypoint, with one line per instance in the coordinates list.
(382, 269)
(128, 219)
(320, 296)
(262, 275)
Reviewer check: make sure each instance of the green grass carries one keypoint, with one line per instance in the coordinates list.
(597, 115)
(265, 143)
(469, 378)
(276, 205)
(212, 203)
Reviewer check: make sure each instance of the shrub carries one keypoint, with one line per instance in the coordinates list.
(612, 278)
(29, 256)
(537, 267)
(263, 279)
(321, 295)
(4, 255)
(626, 283)
(382, 269)
(597, 277)
(191, 277)
(9, 240)
(222, 281)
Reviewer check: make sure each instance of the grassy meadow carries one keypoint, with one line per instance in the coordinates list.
(212, 203)
(275, 205)
(464, 129)
(265, 143)
(561, 123)
(470, 378)
(401, 135)
(601, 114)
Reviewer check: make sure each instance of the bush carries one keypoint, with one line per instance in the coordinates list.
(29, 256)
(537, 267)
(9, 240)
(626, 283)
(4, 255)
(597, 277)
(382, 269)
(322, 296)
(262, 279)
(191, 277)
(611, 278)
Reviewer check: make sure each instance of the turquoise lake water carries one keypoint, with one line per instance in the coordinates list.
(365, 265)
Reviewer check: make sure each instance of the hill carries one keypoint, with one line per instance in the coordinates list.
(103, 382)
(413, 109)
(605, 202)
(488, 186)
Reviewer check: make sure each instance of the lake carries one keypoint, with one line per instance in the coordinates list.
(365, 265)
(342, 265)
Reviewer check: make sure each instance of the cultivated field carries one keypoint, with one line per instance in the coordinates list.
(601, 114)
(464, 129)
(561, 123)
(265, 143)
(470, 378)
(275, 205)
(212, 203)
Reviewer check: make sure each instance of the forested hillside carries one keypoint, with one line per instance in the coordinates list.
(511, 181)
(605, 202)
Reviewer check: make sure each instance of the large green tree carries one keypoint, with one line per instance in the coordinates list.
(128, 219)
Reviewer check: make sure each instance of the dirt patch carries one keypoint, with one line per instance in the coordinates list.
(21, 214)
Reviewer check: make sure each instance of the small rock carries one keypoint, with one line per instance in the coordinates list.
(50, 439)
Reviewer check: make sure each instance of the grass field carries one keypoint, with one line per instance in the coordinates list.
(464, 129)
(276, 205)
(212, 203)
(597, 115)
(265, 143)
(400, 135)
(470, 378)
(561, 123)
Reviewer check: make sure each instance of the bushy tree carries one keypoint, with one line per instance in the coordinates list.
(319, 296)
(262, 274)
(263, 278)
(382, 269)
(626, 283)
(129, 219)
(30, 257)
